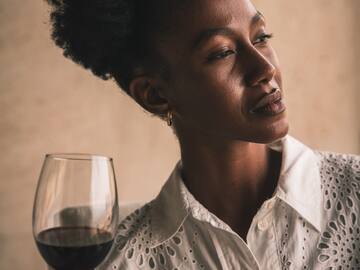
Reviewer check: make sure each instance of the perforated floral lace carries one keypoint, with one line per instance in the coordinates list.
(139, 251)
(339, 244)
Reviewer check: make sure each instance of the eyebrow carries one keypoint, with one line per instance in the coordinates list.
(224, 31)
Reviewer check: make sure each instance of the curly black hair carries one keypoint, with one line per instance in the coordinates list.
(109, 37)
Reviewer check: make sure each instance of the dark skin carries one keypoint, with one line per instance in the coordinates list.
(220, 65)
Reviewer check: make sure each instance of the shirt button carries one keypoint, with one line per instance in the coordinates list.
(269, 204)
(263, 225)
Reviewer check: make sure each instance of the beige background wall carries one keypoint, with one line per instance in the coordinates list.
(48, 104)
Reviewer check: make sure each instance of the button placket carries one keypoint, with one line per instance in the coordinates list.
(263, 224)
(270, 204)
(271, 236)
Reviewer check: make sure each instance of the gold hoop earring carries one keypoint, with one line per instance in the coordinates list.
(169, 118)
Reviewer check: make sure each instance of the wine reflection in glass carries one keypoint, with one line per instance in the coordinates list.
(75, 210)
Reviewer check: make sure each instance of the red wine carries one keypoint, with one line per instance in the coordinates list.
(74, 248)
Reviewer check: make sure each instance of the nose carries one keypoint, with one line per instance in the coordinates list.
(258, 68)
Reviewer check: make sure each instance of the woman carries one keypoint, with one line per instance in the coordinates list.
(244, 195)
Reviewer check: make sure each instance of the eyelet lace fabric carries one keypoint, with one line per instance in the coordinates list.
(298, 244)
(133, 246)
(339, 243)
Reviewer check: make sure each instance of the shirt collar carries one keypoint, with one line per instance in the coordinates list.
(298, 186)
(170, 206)
(299, 183)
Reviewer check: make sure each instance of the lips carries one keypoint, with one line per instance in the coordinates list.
(270, 104)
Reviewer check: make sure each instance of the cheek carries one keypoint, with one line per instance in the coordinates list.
(218, 79)
(208, 99)
(210, 86)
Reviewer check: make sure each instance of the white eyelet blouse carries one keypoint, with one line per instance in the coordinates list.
(311, 222)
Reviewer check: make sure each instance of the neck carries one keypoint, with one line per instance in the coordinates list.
(230, 178)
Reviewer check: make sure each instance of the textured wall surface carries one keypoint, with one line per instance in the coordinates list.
(48, 104)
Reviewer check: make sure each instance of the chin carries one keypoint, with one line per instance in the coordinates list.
(266, 133)
(273, 132)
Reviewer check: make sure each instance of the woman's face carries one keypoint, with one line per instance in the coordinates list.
(221, 65)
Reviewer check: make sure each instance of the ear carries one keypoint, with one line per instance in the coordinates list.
(146, 93)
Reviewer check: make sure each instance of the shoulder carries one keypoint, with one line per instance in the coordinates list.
(134, 248)
(132, 236)
(340, 184)
(340, 181)
(338, 166)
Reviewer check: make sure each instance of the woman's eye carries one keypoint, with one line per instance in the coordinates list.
(220, 55)
(263, 38)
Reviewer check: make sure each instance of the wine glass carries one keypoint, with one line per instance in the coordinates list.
(75, 210)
